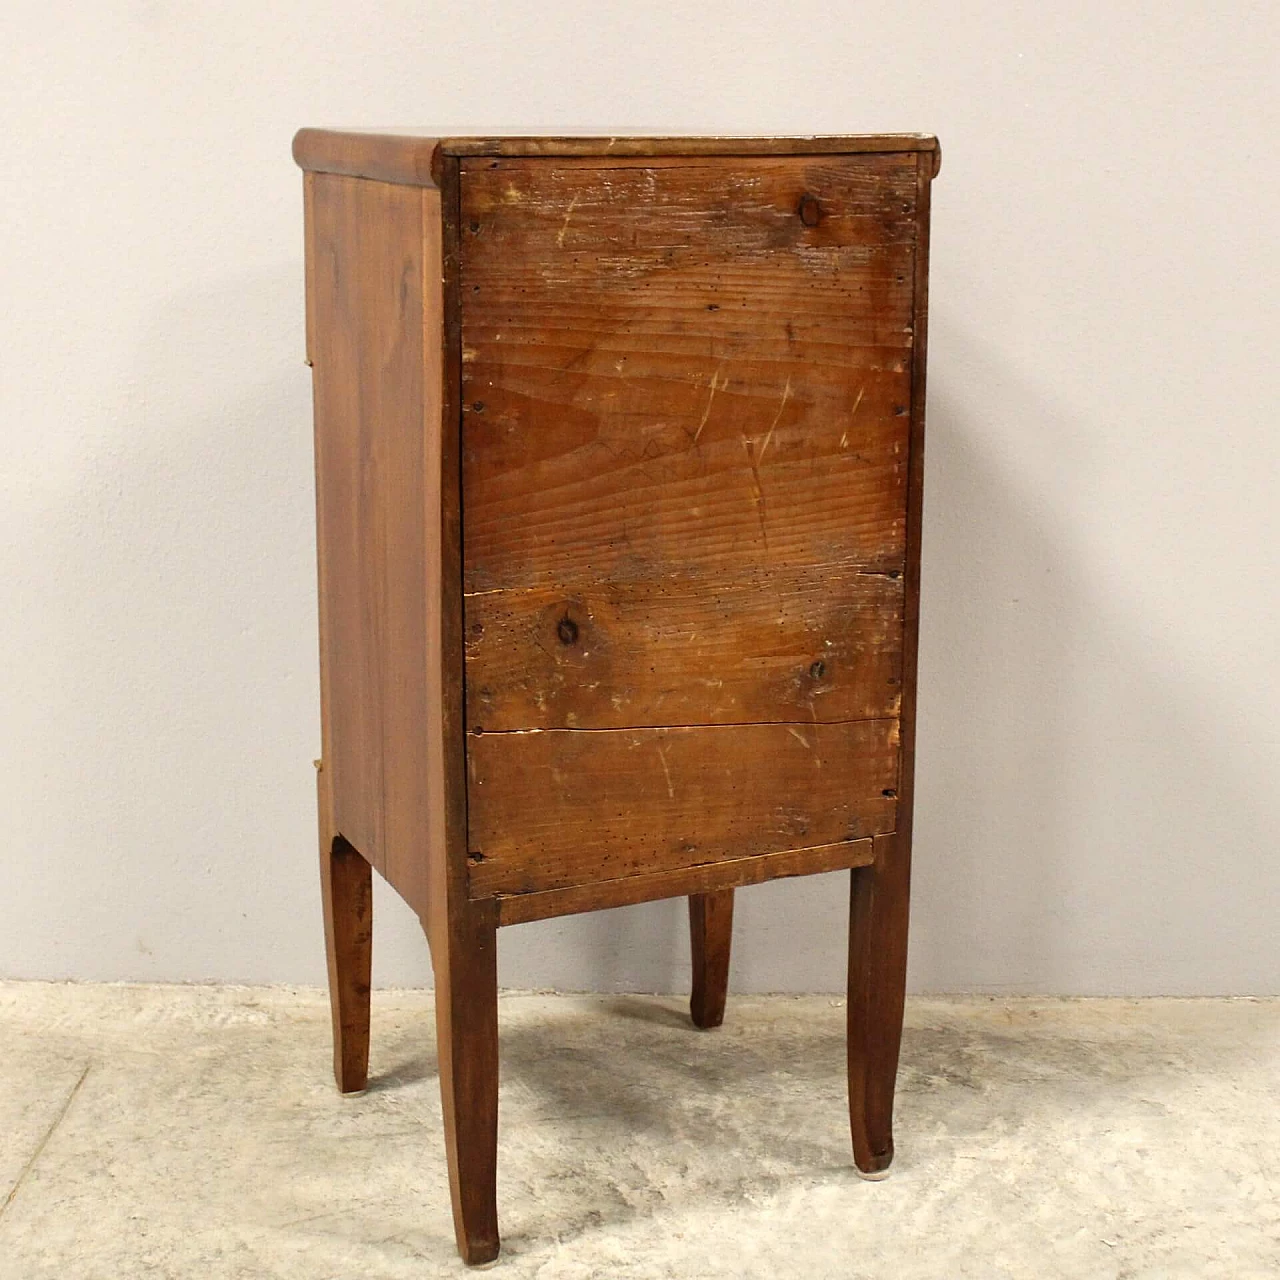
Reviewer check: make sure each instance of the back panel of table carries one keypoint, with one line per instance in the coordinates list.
(685, 428)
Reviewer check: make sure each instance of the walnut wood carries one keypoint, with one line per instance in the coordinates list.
(466, 980)
(346, 887)
(372, 378)
(710, 877)
(409, 158)
(676, 386)
(710, 939)
(559, 807)
(877, 988)
(880, 893)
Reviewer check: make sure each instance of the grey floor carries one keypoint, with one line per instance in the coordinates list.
(195, 1132)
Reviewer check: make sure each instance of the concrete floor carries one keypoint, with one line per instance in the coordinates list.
(195, 1132)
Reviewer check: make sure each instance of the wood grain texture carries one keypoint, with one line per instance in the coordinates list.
(404, 156)
(554, 807)
(707, 877)
(710, 943)
(880, 892)
(376, 376)
(666, 370)
(774, 644)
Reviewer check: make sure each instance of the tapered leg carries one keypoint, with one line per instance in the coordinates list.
(877, 988)
(346, 881)
(710, 937)
(466, 969)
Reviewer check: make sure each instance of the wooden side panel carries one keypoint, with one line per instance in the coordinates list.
(557, 807)
(371, 248)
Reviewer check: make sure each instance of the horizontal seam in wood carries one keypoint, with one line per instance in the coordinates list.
(657, 728)
(675, 873)
(720, 582)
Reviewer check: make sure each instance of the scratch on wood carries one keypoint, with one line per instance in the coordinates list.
(799, 737)
(782, 404)
(44, 1141)
(662, 755)
(568, 214)
(759, 492)
(862, 391)
(706, 413)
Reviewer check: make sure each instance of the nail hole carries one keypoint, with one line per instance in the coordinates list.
(889, 791)
(475, 856)
(818, 670)
(478, 407)
(475, 226)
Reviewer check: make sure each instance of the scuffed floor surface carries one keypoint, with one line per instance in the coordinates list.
(195, 1132)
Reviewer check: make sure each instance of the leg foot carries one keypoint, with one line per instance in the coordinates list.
(346, 881)
(710, 937)
(877, 989)
(466, 969)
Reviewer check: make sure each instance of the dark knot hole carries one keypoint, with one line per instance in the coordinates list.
(567, 630)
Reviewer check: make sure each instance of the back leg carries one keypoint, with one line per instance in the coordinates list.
(346, 883)
(710, 938)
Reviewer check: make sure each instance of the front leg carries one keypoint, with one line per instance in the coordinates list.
(466, 971)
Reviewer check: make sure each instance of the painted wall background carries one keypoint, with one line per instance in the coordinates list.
(1098, 808)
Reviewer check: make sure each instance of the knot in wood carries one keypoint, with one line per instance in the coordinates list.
(567, 630)
(810, 210)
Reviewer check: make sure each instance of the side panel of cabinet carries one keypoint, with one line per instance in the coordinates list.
(374, 323)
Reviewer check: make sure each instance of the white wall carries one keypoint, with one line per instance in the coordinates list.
(1098, 799)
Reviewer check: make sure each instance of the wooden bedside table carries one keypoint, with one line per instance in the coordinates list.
(618, 473)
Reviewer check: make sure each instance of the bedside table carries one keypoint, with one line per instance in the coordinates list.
(618, 472)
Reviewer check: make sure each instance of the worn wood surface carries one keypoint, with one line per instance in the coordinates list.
(686, 394)
(803, 644)
(404, 156)
(710, 943)
(707, 877)
(880, 892)
(558, 807)
(665, 369)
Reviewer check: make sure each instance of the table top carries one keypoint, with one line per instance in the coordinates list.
(416, 159)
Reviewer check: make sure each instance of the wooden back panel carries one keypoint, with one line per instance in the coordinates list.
(687, 399)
